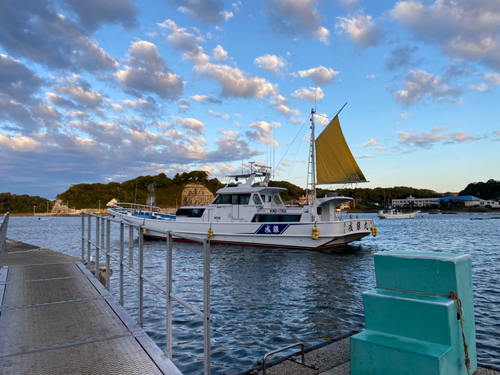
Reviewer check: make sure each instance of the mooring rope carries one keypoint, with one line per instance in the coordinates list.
(458, 305)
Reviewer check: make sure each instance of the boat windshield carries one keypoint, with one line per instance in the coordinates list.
(277, 200)
(233, 199)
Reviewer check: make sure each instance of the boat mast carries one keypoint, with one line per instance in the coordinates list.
(313, 164)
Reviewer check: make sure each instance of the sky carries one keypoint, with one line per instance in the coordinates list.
(100, 91)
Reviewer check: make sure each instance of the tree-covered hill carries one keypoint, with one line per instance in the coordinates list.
(483, 190)
(168, 190)
(23, 204)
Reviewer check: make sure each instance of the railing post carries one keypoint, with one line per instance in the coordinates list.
(130, 246)
(168, 350)
(102, 247)
(89, 239)
(108, 259)
(83, 237)
(97, 244)
(3, 235)
(121, 263)
(206, 305)
(141, 280)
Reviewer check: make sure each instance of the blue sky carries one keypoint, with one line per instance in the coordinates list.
(101, 91)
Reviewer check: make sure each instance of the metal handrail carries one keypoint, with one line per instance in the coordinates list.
(4, 223)
(282, 350)
(102, 243)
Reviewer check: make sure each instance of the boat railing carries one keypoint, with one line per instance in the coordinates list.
(135, 207)
(4, 223)
(102, 243)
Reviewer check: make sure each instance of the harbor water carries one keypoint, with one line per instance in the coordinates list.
(264, 299)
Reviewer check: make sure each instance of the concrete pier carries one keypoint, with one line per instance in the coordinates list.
(55, 317)
(329, 358)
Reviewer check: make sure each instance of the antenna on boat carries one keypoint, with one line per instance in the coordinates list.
(315, 86)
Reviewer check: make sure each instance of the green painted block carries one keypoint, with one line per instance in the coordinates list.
(427, 318)
(401, 323)
(377, 353)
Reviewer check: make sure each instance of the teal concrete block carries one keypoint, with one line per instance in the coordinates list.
(420, 317)
(432, 272)
(377, 353)
(411, 333)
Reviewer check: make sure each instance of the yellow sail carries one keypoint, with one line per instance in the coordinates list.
(334, 161)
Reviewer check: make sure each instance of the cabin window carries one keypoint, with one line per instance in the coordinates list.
(190, 212)
(263, 198)
(223, 199)
(276, 199)
(256, 199)
(269, 198)
(233, 199)
(319, 210)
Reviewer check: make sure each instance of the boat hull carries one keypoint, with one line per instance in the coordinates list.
(296, 235)
(397, 216)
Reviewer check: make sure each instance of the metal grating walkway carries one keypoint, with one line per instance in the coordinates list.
(56, 318)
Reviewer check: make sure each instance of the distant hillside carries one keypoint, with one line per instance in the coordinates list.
(168, 190)
(483, 190)
(22, 204)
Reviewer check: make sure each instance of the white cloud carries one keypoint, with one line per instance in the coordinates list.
(428, 139)
(220, 54)
(320, 75)
(87, 97)
(365, 156)
(205, 99)
(192, 125)
(236, 83)
(146, 71)
(493, 78)
(321, 119)
(371, 142)
(420, 85)
(18, 143)
(281, 103)
(372, 77)
(361, 30)
(296, 18)
(213, 114)
(468, 30)
(207, 12)
(179, 38)
(313, 95)
(263, 133)
(483, 87)
(271, 63)
(182, 40)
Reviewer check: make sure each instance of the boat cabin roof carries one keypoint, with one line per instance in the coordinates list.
(245, 189)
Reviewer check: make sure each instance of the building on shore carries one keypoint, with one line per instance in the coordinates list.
(467, 200)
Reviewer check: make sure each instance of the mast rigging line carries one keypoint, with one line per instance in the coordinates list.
(305, 122)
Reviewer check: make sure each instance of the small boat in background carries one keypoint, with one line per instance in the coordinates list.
(397, 214)
(50, 218)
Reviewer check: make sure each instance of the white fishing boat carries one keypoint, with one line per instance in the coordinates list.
(397, 214)
(248, 211)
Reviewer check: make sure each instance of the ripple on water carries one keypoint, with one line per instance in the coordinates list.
(264, 299)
